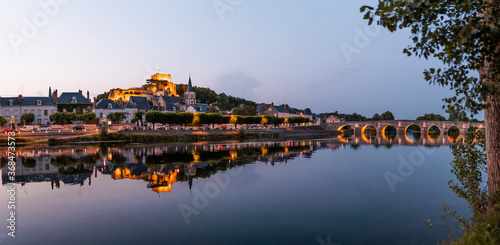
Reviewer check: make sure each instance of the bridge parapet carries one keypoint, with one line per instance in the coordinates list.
(402, 125)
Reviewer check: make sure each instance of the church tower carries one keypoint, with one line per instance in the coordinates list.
(189, 95)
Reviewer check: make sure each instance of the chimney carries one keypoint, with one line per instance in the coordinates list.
(95, 103)
(272, 103)
(54, 95)
(80, 91)
(20, 98)
(88, 95)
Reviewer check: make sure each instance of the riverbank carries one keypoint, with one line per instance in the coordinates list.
(155, 136)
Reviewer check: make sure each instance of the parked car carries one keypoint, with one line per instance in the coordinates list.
(9, 130)
(160, 127)
(26, 128)
(44, 128)
(78, 127)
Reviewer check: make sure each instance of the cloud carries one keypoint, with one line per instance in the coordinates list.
(238, 84)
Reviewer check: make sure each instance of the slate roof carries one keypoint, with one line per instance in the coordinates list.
(308, 111)
(281, 109)
(103, 104)
(201, 107)
(66, 98)
(173, 99)
(27, 101)
(138, 102)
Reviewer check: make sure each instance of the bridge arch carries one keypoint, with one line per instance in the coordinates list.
(433, 133)
(389, 132)
(412, 125)
(368, 131)
(368, 127)
(453, 133)
(344, 127)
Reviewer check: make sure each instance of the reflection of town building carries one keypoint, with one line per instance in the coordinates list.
(41, 169)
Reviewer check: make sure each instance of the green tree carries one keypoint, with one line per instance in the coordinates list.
(89, 117)
(116, 117)
(137, 117)
(3, 121)
(458, 116)
(376, 117)
(214, 118)
(465, 37)
(58, 118)
(104, 95)
(238, 111)
(154, 117)
(431, 117)
(249, 110)
(205, 95)
(27, 118)
(387, 116)
(185, 118)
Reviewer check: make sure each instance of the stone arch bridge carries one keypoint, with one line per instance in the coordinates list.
(402, 126)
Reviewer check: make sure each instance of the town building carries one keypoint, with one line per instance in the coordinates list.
(73, 102)
(15, 107)
(105, 107)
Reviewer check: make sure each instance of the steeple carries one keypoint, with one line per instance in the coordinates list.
(190, 86)
(50, 91)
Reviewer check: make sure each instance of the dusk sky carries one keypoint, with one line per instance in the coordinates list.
(267, 51)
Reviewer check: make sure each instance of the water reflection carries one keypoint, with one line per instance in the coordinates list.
(162, 166)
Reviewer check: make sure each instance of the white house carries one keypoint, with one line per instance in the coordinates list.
(41, 107)
(106, 106)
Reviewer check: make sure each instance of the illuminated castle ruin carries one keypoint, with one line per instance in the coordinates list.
(158, 85)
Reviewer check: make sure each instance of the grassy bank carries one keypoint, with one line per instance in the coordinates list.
(18, 141)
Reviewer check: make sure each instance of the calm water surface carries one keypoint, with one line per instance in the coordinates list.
(312, 192)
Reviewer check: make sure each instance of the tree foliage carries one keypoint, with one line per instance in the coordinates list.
(463, 35)
(3, 121)
(431, 117)
(116, 117)
(469, 165)
(27, 118)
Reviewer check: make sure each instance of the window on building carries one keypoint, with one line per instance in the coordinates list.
(73, 100)
(33, 111)
(11, 102)
(101, 115)
(25, 111)
(16, 113)
(47, 166)
(45, 112)
(7, 113)
(110, 106)
(39, 121)
(38, 102)
(39, 112)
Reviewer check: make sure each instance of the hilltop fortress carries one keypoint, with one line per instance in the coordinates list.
(158, 85)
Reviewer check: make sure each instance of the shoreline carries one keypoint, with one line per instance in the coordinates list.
(146, 137)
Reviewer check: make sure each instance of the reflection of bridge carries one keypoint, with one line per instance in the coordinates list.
(402, 126)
